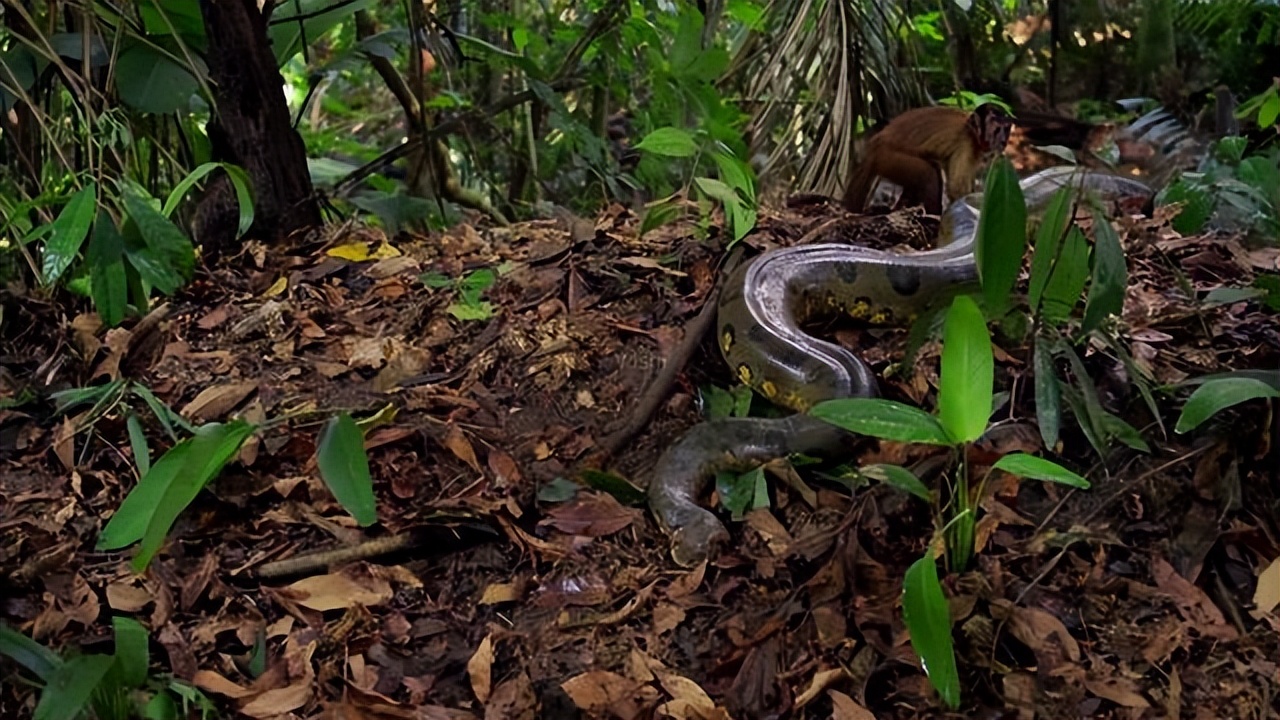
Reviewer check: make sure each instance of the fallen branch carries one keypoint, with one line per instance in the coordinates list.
(657, 391)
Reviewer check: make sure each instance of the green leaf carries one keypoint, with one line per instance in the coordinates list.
(882, 418)
(239, 181)
(1002, 235)
(968, 372)
(344, 466)
(70, 229)
(129, 522)
(736, 174)
(1124, 432)
(558, 490)
(1269, 111)
(669, 142)
(40, 660)
(614, 484)
(1048, 240)
(69, 690)
(1048, 394)
(151, 82)
(741, 493)
(1067, 280)
(169, 256)
(133, 655)
(928, 618)
(1230, 296)
(108, 281)
(1037, 468)
(212, 447)
(138, 444)
(1217, 395)
(659, 214)
(1197, 206)
(1110, 275)
(898, 478)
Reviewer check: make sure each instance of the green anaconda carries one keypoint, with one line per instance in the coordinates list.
(760, 313)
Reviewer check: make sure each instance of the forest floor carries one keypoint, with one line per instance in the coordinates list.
(529, 595)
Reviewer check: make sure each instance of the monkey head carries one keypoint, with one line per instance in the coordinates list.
(990, 126)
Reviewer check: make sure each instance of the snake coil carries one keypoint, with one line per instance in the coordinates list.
(759, 316)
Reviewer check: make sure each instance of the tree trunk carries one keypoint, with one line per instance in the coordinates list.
(252, 129)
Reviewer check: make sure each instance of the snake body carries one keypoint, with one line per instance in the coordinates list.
(760, 314)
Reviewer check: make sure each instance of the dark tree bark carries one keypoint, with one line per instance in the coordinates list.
(251, 129)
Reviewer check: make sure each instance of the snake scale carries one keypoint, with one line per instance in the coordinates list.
(760, 313)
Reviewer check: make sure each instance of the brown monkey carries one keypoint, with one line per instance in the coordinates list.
(915, 146)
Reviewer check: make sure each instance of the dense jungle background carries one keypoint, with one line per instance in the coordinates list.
(339, 340)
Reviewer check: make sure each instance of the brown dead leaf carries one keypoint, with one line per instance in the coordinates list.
(1045, 634)
(1193, 604)
(214, 317)
(820, 681)
(504, 468)
(215, 401)
(1119, 690)
(345, 589)
(210, 681)
(766, 525)
(601, 691)
(684, 691)
(688, 583)
(497, 593)
(667, 617)
(460, 446)
(480, 669)
(844, 707)
(512, 699)
(1267, 595)
(280, 700)
(591, 515)
(127, 596)
(832, 625)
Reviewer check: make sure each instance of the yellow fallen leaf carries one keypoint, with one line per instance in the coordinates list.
(279, 286)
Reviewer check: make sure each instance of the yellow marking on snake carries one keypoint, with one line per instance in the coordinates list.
(769, 389)
(726, 341)
(744, 374)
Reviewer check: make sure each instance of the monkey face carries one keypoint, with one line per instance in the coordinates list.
(991, 127)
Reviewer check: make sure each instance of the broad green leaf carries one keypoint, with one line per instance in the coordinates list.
(133, 655)
(614, 484)
(1067, 281)
(1048, 241)
(150, 81)
(1002, 235)
(138, 444)
(70, 229)
(558, 490)
(129, 522)
(40, 660)
(928, 618)
(1220, 394)
(742, 493)
(1083, 399)
(669, 142)
(1048, 394)
(1110, 275)
(882, 418)
(1037, 468)
(169, 257)
(68, 692)
(898, 478)
(108, 282)
(968, 372)
(1197, 206)
(317, 17)
(736, 174)
(213, 446)
(240, 182)
(1269, 111)
(1231, 296)
(659, 214)
(344, 467)
(161, 706)
(1117, 428)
